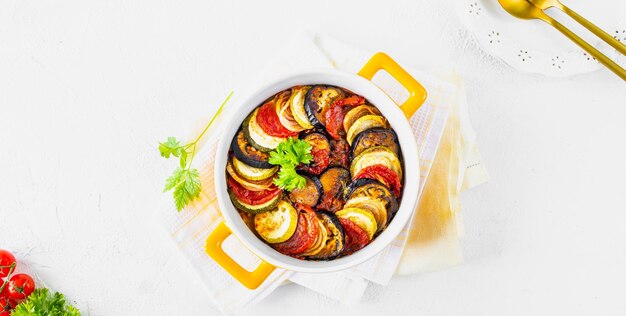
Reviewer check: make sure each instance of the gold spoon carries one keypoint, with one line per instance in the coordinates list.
(545, 4)
(523, 9)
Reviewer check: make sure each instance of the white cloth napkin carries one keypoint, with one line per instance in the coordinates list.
(190, 227)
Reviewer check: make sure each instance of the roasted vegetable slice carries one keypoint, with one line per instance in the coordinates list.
(320, 151)
(335, 238)
(310, 195)
(364, 123)
(334, 181)
(305, 235)
(382, 174)
(358, 112)
(268, 120)
(296, 104)
(375, 137)
(283, 110)
(318, 101)
(373, 205)
(361, 217)
(248, 154)
(320, 241)
(277, 225)
(374, 189)
(356, 237)
(257, 137)
(253, 208)
(252, 173)
(378, 155)
(258, 185)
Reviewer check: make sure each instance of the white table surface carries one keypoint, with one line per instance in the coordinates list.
(87, 88)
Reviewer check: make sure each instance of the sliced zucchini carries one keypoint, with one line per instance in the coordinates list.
(248, 154)
(374, 189)
(318, 100)
(277, 225)
(296, 104)
(364, 123)
(310, 195)
(251, 185)
(363, 218)
(335, 237)
(252, 173)
(373, 205)
(257, 137)
(378, 155)
(375, 137)
(334, 181)
(254, 209)
(358, 112)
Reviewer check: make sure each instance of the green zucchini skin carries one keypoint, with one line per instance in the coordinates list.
(254, 209)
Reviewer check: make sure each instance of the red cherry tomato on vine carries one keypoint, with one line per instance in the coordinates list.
(7, 304)
(6, 260)
(20, 286)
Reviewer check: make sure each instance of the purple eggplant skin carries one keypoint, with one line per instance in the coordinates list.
(248, 154)
(318, 100)
(335, 245)
(376, 137)
(373, 188)
(312, 193)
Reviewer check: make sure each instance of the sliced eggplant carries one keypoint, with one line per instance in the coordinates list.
(252, 173)
(310, 195)
(364, 123)
(296, 104)
(258, 138)
(378, 155)
(375, 137)
(320, 149)
(335, 237)
(374, 189)
(248, 154)
(254, 209)
(334, 181)
(358, 112)
(318, 100)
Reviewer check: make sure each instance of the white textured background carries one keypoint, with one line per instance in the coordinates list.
(87, 88)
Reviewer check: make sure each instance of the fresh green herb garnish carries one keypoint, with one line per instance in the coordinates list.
(289, 154)
(185, 181)
(43, 303)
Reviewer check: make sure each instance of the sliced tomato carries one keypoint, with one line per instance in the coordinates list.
(251, 197)
(383, 175)
(320, 161)
(268, 120)
(356, 237)
(305, 235)
(335, 114)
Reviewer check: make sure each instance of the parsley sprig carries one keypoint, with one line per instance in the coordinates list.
(44, 303)
(185, 180)
(289, 154)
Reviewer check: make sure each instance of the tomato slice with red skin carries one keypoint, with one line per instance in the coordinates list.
(20, 286)
(268, 120)
(337, 111)
(251, 197)
(305, 235)
(7, 304)
(383, 175)
(320, 162)
(356, 237)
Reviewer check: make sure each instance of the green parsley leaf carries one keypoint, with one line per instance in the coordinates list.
(43, 303)
(170, 147)
(186, 185)
(289, 154)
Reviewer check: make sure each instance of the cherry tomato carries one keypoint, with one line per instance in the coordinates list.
(383, 175)
(268, 120)
(20, 286)
(5, 291)
(251, 197)
(6, 260)
(5, 313)
(7, 304)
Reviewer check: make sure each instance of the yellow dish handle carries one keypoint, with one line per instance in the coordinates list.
(417, 93)
(249, 279)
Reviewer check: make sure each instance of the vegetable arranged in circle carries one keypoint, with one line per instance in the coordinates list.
(316, 171)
